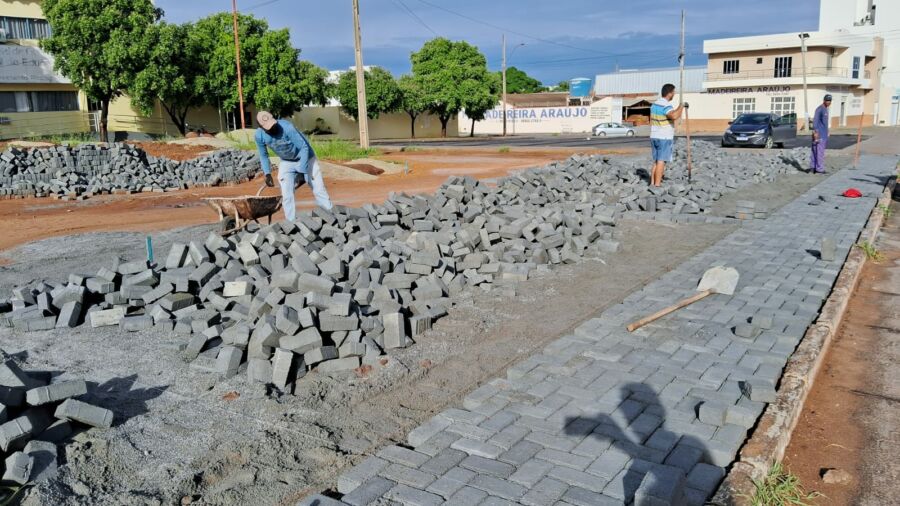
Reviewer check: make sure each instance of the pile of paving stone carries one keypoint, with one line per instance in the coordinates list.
(714, 173)
(88, 169)
(36, 414)
(338, 288)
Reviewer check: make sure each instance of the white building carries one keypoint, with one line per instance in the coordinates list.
(854, 56)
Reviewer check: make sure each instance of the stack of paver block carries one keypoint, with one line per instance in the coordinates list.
(337, 288)
(81, 171)
(749, 210)
(35, 415)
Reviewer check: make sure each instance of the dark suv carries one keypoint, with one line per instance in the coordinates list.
(760, 129)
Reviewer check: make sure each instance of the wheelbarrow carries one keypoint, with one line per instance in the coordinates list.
(235, 213)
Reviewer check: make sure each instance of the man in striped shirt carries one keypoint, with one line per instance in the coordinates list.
(662, 132)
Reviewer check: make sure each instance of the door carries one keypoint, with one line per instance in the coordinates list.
(782, 129)
(617, 129)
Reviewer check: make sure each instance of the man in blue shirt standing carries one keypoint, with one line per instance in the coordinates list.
(820, 136)
(298, 160)
(662, 132)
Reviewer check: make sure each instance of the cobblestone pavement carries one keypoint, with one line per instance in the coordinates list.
(654, 417)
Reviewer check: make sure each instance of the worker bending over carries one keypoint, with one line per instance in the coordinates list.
(298, 161)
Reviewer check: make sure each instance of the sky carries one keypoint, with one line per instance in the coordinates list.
(563, 39)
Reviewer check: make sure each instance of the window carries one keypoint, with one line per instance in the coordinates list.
(783, 66)
(24, 28)
(742, 105)
(783, 106)
(731, 66)
(856, 67)
(759, 61)
(38, 101)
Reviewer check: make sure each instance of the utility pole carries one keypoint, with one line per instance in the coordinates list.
(237, 60)
(803, 37)
(503, 68)
(360, 82)
(681, 64)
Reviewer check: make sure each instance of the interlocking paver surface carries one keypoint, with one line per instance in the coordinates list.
(604, 416)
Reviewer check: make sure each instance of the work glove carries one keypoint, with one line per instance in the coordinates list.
(269, 181)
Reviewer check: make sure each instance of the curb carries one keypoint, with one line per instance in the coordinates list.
(774, 429)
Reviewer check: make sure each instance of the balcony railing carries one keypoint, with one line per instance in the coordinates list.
(785, 73)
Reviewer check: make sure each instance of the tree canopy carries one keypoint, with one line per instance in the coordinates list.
(192, 65)
(99, 44)
(517, 81)
(382, 93)
(448, 73)
(412, 100)
(174, 66)
(481, 99)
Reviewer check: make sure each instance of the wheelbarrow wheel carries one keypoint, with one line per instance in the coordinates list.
(228, 224)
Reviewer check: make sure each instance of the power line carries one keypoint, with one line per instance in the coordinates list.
(261, 4)
(520, 34)
(416, 17)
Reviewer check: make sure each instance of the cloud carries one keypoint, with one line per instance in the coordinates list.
(563, 39)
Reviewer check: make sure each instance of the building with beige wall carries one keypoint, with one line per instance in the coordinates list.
(34, 100)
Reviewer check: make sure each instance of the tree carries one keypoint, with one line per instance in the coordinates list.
(99, 45)
(562, 86)
(517, 81)
(447, 73)
(278, 81)
(175, 63)
(412, 100)
(482, 99)
(382, 93)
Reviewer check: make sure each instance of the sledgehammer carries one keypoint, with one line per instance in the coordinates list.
(716, 280)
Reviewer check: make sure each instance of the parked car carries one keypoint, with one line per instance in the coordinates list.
(613, 130)
(760, 129)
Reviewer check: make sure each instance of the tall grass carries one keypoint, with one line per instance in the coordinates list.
(332, 149)
(780, 488)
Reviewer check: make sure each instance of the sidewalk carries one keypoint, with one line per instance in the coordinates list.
(607, 417)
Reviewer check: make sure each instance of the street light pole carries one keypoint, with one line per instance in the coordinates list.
(803, 37)
(360, 82)
(237, 61)
(503, 68)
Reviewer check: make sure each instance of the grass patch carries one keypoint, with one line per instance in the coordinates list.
(780, 488)
(504, 149)
(885, 210)
(341, 151)
(871, 251)
(72, 138)
(335, 149)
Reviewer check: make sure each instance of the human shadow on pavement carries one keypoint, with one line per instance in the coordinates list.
(120, 396)
(642, 446)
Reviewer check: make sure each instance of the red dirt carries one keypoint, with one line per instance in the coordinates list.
(365, 168)
(27, 220)
(177, 152)
(835, 430)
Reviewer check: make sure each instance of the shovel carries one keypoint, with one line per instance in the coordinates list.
(716, 280)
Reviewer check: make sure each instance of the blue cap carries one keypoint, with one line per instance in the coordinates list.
(828, 98)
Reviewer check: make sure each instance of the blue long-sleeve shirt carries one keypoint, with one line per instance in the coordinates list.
(820, 121)
(288, 143)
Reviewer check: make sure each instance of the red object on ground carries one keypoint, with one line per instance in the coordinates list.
(852, 193)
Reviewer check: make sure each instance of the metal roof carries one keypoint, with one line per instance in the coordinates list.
(648, 81)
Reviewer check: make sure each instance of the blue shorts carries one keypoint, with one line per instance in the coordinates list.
(661, 150)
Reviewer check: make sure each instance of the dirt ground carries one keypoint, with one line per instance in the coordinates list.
(32, 219)
(851, 418)
(181, 437)
(179, 152)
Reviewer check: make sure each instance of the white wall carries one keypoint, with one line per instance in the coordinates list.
(546, 120)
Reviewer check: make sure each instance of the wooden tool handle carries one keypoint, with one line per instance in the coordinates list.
(663, 312)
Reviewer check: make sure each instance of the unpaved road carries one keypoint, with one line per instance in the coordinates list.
(851, 419)
(27, 220)
(181, 437)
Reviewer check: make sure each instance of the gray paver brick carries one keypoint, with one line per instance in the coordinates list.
(368, 492)
(582, 497)
(531, 472)
(451, 481)
(488, 467)
(412, 496)
(544, 492)
(498, 487)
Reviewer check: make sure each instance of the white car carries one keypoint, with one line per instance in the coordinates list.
(613, 130)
